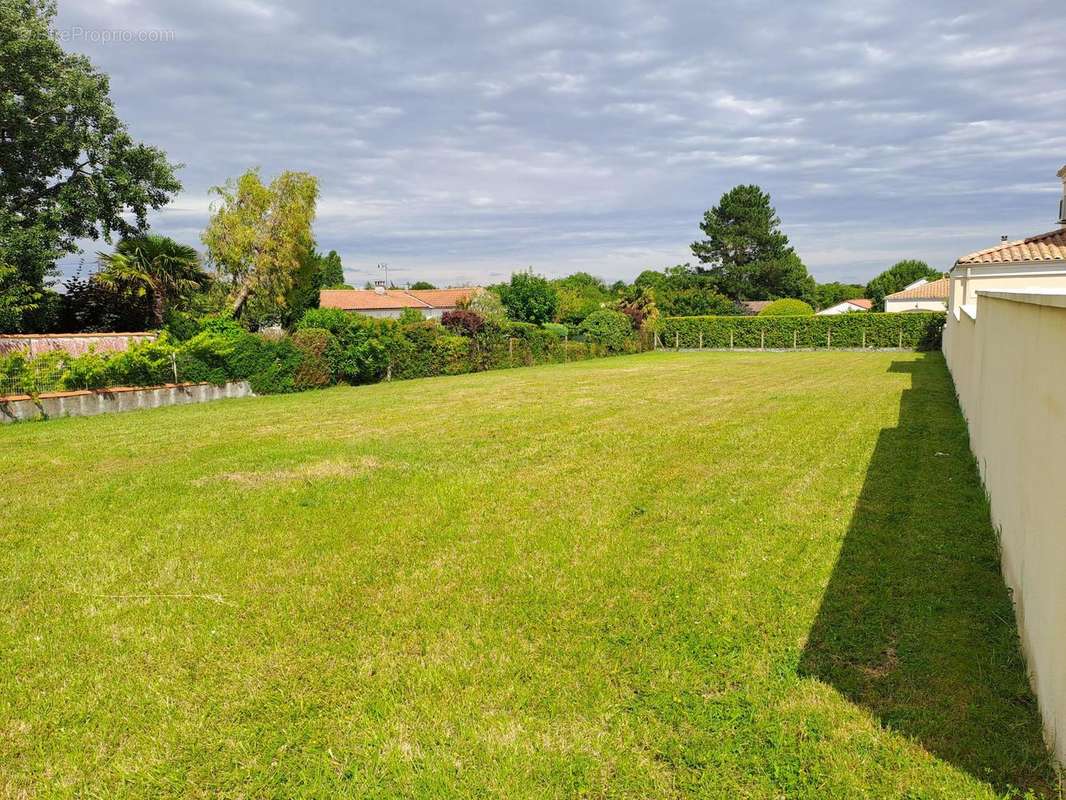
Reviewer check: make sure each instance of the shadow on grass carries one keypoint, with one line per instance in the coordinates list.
(916, 624)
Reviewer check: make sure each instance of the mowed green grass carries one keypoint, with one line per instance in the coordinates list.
(667, 575)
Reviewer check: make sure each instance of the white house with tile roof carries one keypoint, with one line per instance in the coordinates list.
(1036, 262)
(921, 295)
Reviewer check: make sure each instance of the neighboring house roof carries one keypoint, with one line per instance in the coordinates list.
(933, 290)
(1044, 247)
(855, 304)
(373, 300)
(861, 302)
(755, 306)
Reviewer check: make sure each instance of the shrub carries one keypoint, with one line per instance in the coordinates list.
(560, 330)
(608, 328)
(334, 320)
(319, 352)
(463, 322)
(411, 316)
(787, 307)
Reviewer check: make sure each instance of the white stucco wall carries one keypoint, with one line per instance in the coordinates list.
(394, 313)
(915, 305)
(1006, 355)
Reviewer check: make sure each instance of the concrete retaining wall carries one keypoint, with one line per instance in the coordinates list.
(20, 408)
(1006, 357)
(73, 343)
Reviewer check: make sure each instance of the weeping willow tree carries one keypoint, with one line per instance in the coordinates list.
(259, 238)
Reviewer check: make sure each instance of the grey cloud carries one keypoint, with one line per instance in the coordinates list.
(466, 142)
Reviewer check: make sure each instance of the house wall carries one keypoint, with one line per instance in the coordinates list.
(839, 308)
(967, 281)
(394, 313)
(1006, 359)
(915, 305)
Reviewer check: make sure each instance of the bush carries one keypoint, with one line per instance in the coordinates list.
(410, 316)
(333, 320)
(463, 322)
(787, 307)
(921, 331)
(319, 352)
(607, 328)
(560, 330)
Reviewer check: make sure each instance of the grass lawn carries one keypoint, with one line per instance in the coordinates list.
(666, 575)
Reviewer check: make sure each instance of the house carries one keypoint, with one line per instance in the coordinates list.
(922, 295)
(382, 302)
(856, 304)
(1036, 262)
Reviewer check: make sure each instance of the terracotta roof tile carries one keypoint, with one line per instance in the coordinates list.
(861, 302)
(371, 300)
(1045, 247)
(934, 290)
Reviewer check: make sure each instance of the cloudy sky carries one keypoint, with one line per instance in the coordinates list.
(459, 142)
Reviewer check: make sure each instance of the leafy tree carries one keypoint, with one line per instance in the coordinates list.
(787, 307)
(749, 257)
(579, 295)
(331, 272)
(529, 298)
(69, 169)
(422, 285)
(893, 279)
(829, 294)
(487, 304)
(260, 238)
(156, 267)
(682, 291)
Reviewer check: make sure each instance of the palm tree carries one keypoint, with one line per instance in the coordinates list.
(153, 265)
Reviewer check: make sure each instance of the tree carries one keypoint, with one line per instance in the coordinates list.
(529, 298)
(893, 279)
(749, 257)
(829, 294)
(331, 272)
(69, 169)
(579, 295)
(681, 291)
(156, 267)
(422, 285)
(260, 237)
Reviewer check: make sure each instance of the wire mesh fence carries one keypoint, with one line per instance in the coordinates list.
(20, 376)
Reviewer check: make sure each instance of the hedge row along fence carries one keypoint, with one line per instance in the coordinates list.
(328, 347)
(912, 330)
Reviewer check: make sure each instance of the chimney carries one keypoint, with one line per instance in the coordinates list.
(1062, 203)
(379, 290)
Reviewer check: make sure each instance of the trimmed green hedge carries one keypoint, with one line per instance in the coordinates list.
(916, 330)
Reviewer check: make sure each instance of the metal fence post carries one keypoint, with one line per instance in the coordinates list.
(864, 338)
(794, 339)
(701, 340)
(829, 339)
(174, 366)
(901, 336)
(730, 340)
(762, 340)
(677, 340)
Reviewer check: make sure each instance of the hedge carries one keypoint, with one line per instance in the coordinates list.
(329, 346)
(915, 330)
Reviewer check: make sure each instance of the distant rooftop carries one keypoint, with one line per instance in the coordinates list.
(1045, 247)
(931, 290)
(382, 299)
